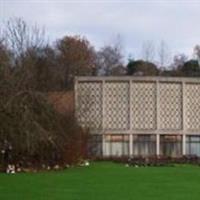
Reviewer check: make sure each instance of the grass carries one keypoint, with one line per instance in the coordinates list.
(104, 181)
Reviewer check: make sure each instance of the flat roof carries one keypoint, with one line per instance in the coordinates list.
(138, 78)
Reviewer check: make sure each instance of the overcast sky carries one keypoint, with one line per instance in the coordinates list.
(176, 22)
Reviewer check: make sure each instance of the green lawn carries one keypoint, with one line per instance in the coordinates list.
(104, 181)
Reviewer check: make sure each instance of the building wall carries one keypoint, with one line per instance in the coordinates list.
(139, 105)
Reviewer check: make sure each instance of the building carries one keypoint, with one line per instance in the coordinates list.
(132, 116)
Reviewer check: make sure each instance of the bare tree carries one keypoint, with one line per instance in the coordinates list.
(197, 52)
(179, 60)
(26, 44)
(148, 51)
(110, 59)
(20, 36)
(163, 54)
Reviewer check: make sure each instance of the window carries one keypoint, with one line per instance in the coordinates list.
(144, 145)
(171, 145)
(193, 145)
(95, 145)
(116, 145)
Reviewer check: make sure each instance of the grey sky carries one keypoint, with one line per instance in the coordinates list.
(176, 22)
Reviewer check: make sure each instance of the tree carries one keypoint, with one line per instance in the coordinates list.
(29, 124)
(163, 54)
(197, 52)
(43, 69)
(110, 59)
(5, 61)
(190, 68)
(148, 51)
(76, 57)
(24, 43)
(179, 60)
(140, 67)
(20, 36)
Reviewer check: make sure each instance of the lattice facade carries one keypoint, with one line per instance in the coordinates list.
(89, 104)
(116, 105)
(143, 105)
(170, 95)
(139, 105)
(192, 98)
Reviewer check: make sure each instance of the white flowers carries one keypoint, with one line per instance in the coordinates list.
(84, 163)
(87, 163)
(56, 167)
(10, 169)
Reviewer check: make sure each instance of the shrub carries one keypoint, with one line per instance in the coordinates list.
(33, 133)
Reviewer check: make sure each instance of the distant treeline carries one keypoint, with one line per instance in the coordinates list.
(26, 54)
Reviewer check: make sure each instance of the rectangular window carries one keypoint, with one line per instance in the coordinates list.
(116, 145)
(193, 145)
(144, 145)
(95, 145)
(171, 145)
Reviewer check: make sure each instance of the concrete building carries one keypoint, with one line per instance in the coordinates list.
(140, 115)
